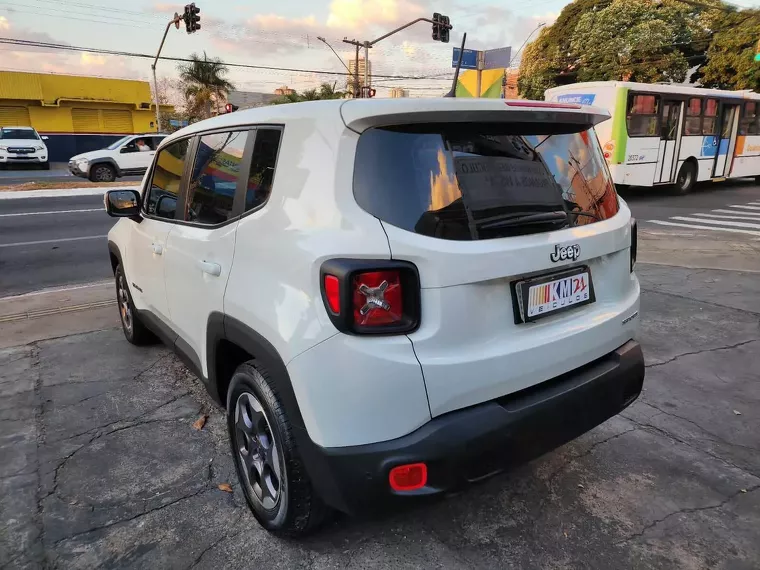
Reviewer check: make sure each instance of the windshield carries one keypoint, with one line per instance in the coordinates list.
(118, 143)
(19, 134)
(479, 182)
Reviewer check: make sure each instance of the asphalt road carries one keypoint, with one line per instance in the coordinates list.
(53, 242)
(58, 172)
(49, 242)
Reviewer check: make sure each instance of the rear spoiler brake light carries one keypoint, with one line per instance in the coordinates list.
(544, 104)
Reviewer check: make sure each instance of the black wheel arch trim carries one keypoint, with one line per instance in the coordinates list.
(224, 327)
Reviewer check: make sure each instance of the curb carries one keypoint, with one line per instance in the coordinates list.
(61, 193)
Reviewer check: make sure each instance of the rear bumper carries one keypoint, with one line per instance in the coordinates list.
(470, 444)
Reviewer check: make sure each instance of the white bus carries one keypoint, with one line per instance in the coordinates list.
(672, 134)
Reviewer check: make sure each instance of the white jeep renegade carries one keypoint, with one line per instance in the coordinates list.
(390, 297)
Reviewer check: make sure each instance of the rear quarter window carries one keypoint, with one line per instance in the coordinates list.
(474, 182)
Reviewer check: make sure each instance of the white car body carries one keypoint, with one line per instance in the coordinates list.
(263, 272)
(30, 148)
(121, 157)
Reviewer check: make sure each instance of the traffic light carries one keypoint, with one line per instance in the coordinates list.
(229, 107)
(192, 19)
(441, 27)
(368, 92)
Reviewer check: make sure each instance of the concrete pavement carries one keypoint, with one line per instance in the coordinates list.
(103, 469)
(59, 172)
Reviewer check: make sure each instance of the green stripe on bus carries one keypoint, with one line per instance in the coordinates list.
(619, 130)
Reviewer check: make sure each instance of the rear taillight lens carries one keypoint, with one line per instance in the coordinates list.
(371, 297)
(634, 242)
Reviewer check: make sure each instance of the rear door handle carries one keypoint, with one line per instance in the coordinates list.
(211, 268)
(158, 249)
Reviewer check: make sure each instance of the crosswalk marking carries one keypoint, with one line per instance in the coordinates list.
(695, 227)
(717, 222)
(734, 218)
(741, 216)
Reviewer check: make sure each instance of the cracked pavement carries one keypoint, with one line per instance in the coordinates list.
(103, 469)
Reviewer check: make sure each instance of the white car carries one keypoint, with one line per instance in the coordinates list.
(130, 155)
(23, 145)
(389, 297)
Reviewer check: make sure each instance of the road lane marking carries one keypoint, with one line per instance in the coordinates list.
(742, 212)
(741, 216)
(743, 207)
(44, 241)
(717, 222)
(52, 212)
(695, 227)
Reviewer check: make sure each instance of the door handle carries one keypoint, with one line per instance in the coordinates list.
(211, 268)
(158, 249)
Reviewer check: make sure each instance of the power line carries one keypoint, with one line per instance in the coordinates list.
(64, 47)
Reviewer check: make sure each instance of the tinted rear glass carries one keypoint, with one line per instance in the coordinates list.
(479, 182)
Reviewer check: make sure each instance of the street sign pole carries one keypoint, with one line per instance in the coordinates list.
(480, 73)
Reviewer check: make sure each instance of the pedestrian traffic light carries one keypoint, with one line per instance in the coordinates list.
(192, 19)
(441, 27)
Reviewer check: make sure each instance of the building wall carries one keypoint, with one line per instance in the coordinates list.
(78, 114)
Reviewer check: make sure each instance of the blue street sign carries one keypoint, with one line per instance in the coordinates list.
(469, 58)
(176, 123)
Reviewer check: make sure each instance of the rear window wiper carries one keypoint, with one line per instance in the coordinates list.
(554, 218)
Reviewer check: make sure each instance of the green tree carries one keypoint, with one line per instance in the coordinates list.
(635, 40)
(204, 85)
(730, 56)
(324, 91)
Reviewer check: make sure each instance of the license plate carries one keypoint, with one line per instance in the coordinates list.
(550, 294)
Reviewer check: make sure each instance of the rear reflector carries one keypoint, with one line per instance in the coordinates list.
(408, 477)
(332, 293)
(544, 104)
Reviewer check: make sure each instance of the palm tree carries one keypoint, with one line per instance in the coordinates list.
(327, 91)
(204, 84)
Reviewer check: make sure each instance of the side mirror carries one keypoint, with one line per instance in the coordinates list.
(122, 203)
(166, 207)
(45, 137)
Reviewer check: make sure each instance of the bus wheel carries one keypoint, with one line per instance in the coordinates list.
(687, 176)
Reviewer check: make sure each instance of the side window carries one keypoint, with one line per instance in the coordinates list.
(211, 192)
(710, 120)
(154, 142)
(263, 163)
(748, 123)
(693, 123)
(165, 183)
(642, 114)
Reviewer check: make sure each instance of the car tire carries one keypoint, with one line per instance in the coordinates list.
(134, 330)
(102, 173)
(687, 177)
(269, 468)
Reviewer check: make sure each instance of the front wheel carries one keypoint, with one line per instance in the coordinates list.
(102, 173)
(134, 330)
(687, 176)
(269, 468)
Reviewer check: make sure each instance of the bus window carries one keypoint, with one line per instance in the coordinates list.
(748, 124)
(710, 120)
(641, 118)
(693, 123)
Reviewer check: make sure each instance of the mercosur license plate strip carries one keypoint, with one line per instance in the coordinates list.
(550, 294)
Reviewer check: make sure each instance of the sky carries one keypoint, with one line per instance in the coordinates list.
(273, 34)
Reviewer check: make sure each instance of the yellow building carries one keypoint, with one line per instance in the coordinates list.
(78, 114)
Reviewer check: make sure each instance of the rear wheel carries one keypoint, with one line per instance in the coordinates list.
(269, 467)
(134, 330)
(102, 173)
(687, 176)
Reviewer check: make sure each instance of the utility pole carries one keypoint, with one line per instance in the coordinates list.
(192, 23)
(441, 27)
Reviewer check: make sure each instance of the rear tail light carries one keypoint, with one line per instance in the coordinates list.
(634, 242)
(371, 297)
(408, 477)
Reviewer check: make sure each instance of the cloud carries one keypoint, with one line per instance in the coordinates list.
(280, 23)
(88, 59)
(4, 23)
(361, 14)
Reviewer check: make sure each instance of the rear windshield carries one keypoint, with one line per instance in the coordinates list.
(18, 134)
(482, 181)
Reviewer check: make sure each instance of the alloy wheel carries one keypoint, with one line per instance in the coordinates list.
(257, 451)
(122, 294)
